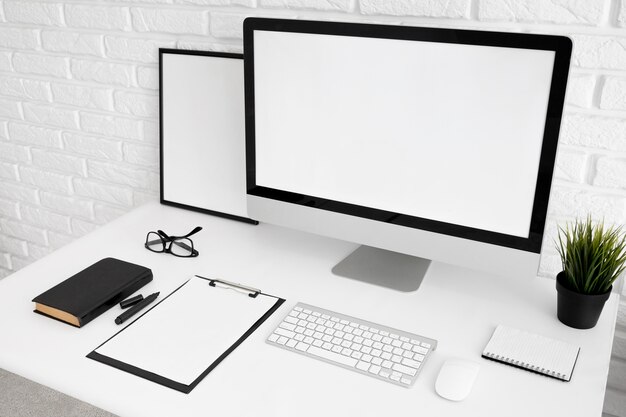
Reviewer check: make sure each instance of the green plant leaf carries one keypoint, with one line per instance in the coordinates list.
(592, 256)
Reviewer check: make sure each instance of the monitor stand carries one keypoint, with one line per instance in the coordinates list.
(384, 268)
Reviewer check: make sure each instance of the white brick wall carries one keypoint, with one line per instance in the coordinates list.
(79, 111)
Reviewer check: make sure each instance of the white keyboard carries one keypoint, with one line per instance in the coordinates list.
(371, 349)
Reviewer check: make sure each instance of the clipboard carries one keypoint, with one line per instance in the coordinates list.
(186, 335)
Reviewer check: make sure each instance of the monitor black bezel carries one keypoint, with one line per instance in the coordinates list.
(562, 46)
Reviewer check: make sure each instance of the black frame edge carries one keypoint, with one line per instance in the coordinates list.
(162, 199)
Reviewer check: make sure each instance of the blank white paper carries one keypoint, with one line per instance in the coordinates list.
(183, 335)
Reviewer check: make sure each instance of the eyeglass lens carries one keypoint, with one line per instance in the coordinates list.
(154, 242)
(182, 247)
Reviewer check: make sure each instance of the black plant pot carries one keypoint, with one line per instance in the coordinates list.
(580, 311)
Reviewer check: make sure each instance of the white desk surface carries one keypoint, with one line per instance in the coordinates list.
(457, 307)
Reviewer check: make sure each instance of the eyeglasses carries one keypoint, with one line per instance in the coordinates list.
(180, 246)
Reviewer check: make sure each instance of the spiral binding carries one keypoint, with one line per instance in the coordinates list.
(524, 365)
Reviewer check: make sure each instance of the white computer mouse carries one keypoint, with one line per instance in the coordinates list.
(456, 378)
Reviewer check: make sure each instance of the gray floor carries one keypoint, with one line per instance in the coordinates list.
(20, 397)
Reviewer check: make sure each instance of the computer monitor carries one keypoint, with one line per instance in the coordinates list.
(418, 143)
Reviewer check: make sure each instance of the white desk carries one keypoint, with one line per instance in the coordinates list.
(459, 308)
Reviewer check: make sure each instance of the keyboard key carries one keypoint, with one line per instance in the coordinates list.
(293, 313)
(368, 342)
(395, 376)
(376, 352)
(335, 319)
(308, 340)
(385, 355)
(346, 352)
(291, 343)
(387, 364)
(327, 338)
(377, 361)
(408, 354)
(407, 346)
(396, 343)
(377, 338)
(318, 335)
(344, 322)
(411, 363)
(394, 336)
(384, 373)
(396, 351)
(325, 316)
(404, 339)
(291, 320)
(273, 337)
(396, 358)
(316, 314)
(426, 345)
(306, 311)
(356, 355)
(404, 369)
(308, 332)
(336, 349)
(405, 381)
(302, 346)
(327, 346)
(364, 366)
(287, 333)
(374, 369)
(297, 308)
(420, 350)
(299, 337)
(366, 358)
(282, 340)
(317, 343)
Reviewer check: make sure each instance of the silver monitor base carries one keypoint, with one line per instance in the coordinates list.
(385, 268)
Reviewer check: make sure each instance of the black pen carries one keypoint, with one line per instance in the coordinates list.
(136, 308)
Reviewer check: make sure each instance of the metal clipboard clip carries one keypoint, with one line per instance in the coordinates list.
(252, 292)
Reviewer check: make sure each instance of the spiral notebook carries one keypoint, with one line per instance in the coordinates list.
(532, 352)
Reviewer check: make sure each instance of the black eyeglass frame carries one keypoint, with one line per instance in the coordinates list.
(165, 239)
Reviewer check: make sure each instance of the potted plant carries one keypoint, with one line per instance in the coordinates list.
(593, 257)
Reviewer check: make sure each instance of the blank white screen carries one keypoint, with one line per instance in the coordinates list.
(446, 132)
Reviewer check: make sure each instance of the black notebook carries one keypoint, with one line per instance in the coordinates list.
(89, 293)
(532, 352)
